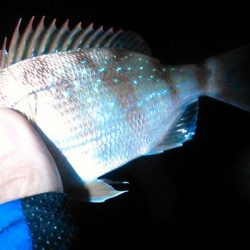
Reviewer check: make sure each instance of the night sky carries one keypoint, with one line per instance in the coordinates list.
(197, 196)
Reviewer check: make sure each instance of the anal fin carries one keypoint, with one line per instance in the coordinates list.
(181, 131)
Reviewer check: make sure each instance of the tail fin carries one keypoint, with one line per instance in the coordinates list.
(228, 77)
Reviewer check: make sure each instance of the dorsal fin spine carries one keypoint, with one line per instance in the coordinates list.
(99, 33)
(34, 38)
(100, 40)
(3, 53)
(59, 34)
(112, 38)
(41, 41)
(78, 41)
(13, 42)
(68, 41)
(19, 51)
(50, 30)
(92, 37)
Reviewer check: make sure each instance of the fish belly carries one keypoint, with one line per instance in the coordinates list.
(101, 136)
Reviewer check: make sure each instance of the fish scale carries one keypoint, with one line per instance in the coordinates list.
(117, 138)
(123, 122)
(103, 99)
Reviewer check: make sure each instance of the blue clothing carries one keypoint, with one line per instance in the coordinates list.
(43, 221)
(14, 231)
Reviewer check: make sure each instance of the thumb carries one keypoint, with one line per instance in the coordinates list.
(26, 166)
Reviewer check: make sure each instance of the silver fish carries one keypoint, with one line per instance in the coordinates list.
(104, 100)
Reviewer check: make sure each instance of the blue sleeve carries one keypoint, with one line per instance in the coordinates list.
(14, 231)
(43, 221)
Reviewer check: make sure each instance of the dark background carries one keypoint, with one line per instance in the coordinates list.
(197, 196)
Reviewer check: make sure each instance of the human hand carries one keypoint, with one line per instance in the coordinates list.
(26, 166)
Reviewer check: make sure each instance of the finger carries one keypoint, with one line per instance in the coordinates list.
(26, 166)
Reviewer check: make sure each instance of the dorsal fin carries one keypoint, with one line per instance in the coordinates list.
(40, 40)
(181, 131)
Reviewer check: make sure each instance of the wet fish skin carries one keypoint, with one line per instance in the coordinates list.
(104, 100)
(100, 107)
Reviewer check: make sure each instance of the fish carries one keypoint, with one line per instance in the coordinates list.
(104, 100)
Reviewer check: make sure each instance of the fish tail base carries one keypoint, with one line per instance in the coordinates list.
(229, 77)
